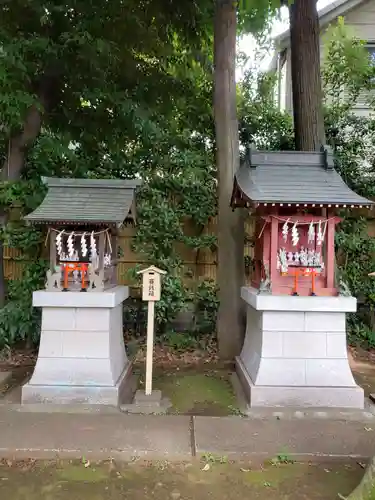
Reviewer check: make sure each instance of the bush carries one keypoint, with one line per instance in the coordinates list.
(19, 320)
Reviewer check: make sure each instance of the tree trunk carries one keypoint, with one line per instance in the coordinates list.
(12, 170)
(306, 79)
(230, 231)
(18, 146)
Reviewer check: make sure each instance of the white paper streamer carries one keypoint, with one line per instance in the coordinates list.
(59, 243)
(285, 231)
(70, 244)
(295, 236)
(84, 249)
(93, 245)
(311, 233)
(319, 237)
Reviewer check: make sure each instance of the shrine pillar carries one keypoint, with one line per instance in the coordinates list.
(82, 358)
(295, 353)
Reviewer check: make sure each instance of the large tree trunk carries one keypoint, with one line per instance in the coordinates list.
(230, 231)
(306, 79)
(18, 147)
(12, 170)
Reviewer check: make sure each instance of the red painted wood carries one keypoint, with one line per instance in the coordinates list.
(330, 254)
(274, 273)
(269, 228)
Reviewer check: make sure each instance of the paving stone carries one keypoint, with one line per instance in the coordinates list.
(235, 436)
(101, 436)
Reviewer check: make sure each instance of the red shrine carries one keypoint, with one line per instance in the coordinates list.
(294, 197)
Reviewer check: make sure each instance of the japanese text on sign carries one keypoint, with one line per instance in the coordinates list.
(151, 286)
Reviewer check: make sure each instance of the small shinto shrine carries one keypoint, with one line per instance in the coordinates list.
(82, 356)
(294, 352)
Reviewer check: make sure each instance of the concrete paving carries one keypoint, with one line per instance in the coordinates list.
(269, 438)
(102, 435)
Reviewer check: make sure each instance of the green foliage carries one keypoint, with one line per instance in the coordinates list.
(180, 341)
(174, 300)
(121, 92)
(282, 458)
(356, 252)
(347, 72)
(260, 122)
(206, 306)
(137, 102)
(359, 331)
(205, 301)
(19, 321)
(348, 67)
(254, 16)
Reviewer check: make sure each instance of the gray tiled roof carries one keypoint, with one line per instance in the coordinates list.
(92, 201)
(294, 177)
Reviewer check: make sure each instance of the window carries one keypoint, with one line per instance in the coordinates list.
(371, 51)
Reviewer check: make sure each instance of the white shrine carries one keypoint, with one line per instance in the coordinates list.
(82, 358)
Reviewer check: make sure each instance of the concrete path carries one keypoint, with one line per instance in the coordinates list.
(102, 435)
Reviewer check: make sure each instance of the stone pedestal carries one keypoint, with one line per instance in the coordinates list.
(82, 357)
(295, 354)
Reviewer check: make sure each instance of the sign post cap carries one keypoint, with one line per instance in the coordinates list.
(152, 269)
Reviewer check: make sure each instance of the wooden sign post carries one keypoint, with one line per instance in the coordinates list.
(151, 291)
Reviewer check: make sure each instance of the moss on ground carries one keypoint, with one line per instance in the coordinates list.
(198, 393)
(217, 480)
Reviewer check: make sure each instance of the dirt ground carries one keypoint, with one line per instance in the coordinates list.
(195, 384)
(362, 364)
(212, 478)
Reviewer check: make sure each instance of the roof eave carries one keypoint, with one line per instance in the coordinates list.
(85, 222)
(308, 204)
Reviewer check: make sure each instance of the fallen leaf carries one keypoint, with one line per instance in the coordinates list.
(245, 470)
(87, 463)
(368, 429)
(206, 467)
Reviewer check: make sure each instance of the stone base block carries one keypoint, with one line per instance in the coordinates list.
(121, 392)
(295, 352)
(148, 404)
(298, 396)
(82, 357)
(142, 399)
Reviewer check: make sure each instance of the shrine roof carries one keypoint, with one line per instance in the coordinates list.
(86, 201)
(292, 177)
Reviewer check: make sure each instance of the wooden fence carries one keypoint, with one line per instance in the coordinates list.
(198, 265)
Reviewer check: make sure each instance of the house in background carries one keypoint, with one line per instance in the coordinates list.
(359, 15)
